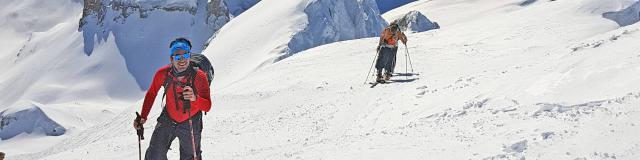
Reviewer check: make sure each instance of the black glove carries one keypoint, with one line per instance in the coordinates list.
(139, 131)
(378, 48)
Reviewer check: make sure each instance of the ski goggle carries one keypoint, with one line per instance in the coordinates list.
(181, 56)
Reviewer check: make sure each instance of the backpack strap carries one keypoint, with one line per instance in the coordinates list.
(168, 80)
(192, 81)
(175, 96)
(165, 85)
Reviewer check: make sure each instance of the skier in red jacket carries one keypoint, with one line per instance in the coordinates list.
(187, 95)
(388, 49)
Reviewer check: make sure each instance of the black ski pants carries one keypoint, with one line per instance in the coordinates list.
(167, 130)
(386, 59)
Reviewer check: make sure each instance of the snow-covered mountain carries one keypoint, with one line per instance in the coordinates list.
(273, 30)
(415, 21)
(500, 80)
(142, 30)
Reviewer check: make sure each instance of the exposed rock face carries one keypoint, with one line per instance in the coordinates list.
(99, 8)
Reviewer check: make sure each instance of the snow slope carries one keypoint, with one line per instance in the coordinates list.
(273, 30)
(548, 80)
(18, 23)
(49, 66)
(79, 90)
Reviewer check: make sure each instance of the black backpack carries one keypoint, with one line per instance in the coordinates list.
(199, 61)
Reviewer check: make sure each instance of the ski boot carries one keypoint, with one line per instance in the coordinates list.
(387, 76)
(379, 78)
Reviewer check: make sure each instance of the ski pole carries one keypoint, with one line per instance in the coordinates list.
(193, 140)
(187, 107)
(408, 55)
(140, 133)
(406, 70)
(373, 62)
(139, 150)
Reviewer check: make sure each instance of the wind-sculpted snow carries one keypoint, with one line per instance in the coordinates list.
(27, 118)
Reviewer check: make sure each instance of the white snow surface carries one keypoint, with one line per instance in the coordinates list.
(499, 80)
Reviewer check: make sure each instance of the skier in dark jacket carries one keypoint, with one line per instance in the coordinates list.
(387, 50)
(183, 84)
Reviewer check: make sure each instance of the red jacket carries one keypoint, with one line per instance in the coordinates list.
(387, 37)
(201, 85)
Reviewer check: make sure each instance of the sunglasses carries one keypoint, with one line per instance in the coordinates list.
(181, 56)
